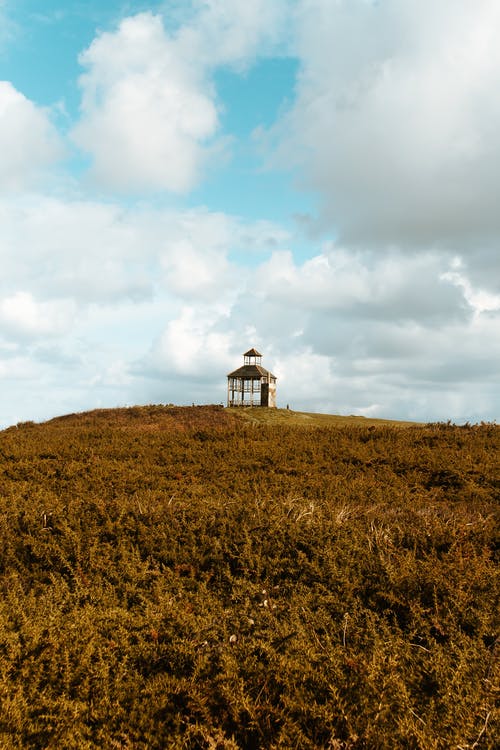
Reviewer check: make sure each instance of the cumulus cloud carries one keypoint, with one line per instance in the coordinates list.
(21, 315)
(149, 106)
(191, 273)
(365, 286)
(28, 140)
(235, 32)
(85, 251)
(345, 332)
(395, 127)
(145, 113)
(395, 124)
(191, 346)
(105, 254)
(98, 297)
(87, 285)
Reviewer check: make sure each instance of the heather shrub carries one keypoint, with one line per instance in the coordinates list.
(178, 578)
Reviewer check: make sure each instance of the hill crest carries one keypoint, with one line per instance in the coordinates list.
(153, 417)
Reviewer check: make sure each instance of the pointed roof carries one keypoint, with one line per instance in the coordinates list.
(251, 371)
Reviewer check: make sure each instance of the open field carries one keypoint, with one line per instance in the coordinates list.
(190, 578)
(305, 419)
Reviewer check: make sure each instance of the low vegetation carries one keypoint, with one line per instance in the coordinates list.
(188, 578)
(307, 419)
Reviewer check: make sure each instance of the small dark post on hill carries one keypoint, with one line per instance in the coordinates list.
(251, 384)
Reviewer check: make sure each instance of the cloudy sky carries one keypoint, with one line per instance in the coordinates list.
(183, 180)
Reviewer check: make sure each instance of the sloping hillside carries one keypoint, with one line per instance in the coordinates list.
(188, 578)
(311, 419)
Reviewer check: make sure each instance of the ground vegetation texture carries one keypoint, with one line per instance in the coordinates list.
(184, 578)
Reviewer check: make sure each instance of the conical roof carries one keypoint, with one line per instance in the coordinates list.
(252, 353)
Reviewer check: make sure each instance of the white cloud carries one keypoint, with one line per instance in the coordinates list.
(396, 123)
(86, 251)
(22, 316)
(149, 107)
(86, 285)
(28, 141)
(304, 376)
(190, 272)
(346, 333)
(115, 309)
(192, 346)
(235, 32)
(146, 115)
(479, 299)
(365, 286)
(106, 254)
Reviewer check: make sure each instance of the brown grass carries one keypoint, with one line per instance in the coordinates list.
(185, 578)
(312, 419)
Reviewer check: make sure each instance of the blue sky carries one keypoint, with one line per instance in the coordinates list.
(180, 181)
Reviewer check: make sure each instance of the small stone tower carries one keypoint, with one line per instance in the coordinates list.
(252, 384)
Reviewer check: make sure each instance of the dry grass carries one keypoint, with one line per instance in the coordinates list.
(310, 419)
(183, 578)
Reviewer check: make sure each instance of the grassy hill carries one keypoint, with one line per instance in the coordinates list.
(196, 578)
(310, 419)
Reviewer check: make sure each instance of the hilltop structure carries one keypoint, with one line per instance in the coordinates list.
(252, 384)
